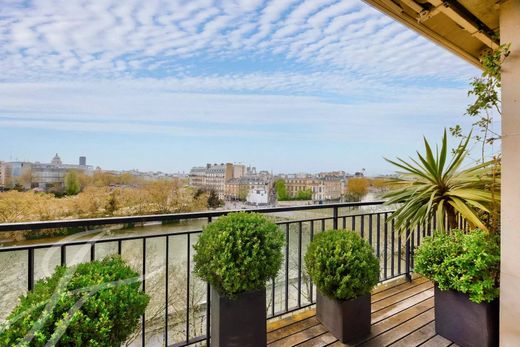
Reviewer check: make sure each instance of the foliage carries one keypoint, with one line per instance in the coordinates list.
(486, 90)
(342, 264)
(357, 187)
(281, 190)
(148, 198)
(213, 200)
(92, 304)
(239, 252)
(305, 194)
(467, 263)
(431, 186)
(380, 184)
(283, 195)
(243, 191)
(72, 185)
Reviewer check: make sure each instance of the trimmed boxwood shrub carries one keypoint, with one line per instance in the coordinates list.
(342, 264)
(467, 263)
(91, 304)
(239, 252)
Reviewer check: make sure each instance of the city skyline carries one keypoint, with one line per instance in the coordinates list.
(186, 171)
(292, 84)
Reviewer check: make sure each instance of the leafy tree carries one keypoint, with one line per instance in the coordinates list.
(431, 186)
(72, 185)
(243, 190)
(305, 194)
(281, 190)
(357, 188)
(213, 200)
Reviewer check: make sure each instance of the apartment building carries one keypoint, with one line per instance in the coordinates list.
(240, 188)
(324, 186)
(214, 176)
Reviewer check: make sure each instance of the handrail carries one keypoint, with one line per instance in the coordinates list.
(168, 217)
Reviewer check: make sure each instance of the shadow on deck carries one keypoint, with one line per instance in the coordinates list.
(402, 315)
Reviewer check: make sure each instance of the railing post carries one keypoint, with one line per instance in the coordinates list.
(335, 217)
(30, 269)
(408, 256)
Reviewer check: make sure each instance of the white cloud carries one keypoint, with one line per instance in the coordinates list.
(53, 39)
(177, 107)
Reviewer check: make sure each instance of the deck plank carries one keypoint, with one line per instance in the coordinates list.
(379, 305)
(417, 337)
(319, 341)
(396, 289)
(300, 337)
(397, 319)
(402, 305)
(437, 341)
(291, 329)
(296, 317)
(402, 330)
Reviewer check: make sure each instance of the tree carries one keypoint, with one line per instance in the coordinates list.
(243, 191)
(72, 185)
(213, 200)
(432, 188)
(305, 194)
(281, 190)
(357, 188)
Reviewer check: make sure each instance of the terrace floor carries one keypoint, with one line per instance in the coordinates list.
(402, 315)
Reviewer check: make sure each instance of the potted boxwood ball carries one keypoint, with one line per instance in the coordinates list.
(465, 270)
(344, 268)
(237, 254)
(91, 304)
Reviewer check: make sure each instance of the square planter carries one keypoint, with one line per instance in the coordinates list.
(239, 322)
(464, 322)
(346, 319)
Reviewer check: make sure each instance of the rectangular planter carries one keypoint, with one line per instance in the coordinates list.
(239, 322)
(464, 322)
(347, 320)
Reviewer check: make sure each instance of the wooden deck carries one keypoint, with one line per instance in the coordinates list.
(402, 315)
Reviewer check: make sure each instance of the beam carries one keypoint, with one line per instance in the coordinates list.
(385, 7)
(464, 19)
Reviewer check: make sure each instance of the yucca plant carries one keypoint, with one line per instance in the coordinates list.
(433, 187)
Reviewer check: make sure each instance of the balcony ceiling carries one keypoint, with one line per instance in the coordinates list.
(466, 27)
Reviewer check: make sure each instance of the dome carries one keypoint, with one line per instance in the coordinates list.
(56, 160)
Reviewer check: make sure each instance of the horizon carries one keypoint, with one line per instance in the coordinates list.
(292, 86)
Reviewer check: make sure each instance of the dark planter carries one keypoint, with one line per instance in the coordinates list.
(239, 322)
(464, 322)
(345, 319)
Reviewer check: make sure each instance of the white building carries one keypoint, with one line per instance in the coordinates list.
(258, 196)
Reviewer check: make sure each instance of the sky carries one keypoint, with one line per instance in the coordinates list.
(283, 85)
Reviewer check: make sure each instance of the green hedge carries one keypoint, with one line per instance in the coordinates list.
(342, 264)
(239, 252)
(92, 304)
(468, 263)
